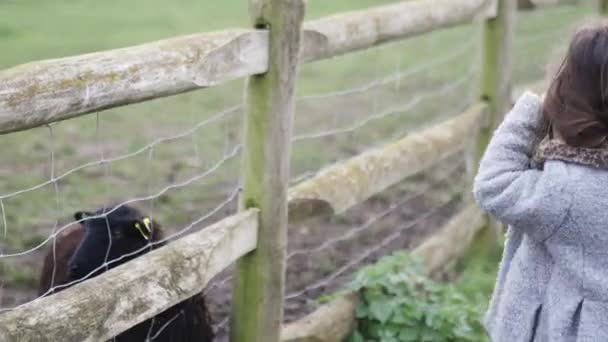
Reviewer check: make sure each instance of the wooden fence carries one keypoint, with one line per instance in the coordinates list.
(43, 92)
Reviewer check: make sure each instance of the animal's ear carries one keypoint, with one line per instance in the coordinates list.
(79, 215)
(144, 227)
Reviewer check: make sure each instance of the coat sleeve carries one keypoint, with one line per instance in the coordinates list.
(509, 189)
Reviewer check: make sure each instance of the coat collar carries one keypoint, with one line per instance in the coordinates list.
(553, 149)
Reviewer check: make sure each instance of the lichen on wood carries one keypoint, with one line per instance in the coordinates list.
(334, 321)
(353, 181)
(42, 92)
(346, 32)
(328, 323)
(259, 283)
(302, 209)
(100, 308)
(452, 240)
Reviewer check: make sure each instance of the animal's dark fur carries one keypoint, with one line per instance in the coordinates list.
(65, 246)
(190, 319)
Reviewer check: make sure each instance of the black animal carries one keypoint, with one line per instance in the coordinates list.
(102, 241)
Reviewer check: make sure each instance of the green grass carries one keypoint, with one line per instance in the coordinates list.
(18, 276)
(477, 277)
(542, 37)
(37, 29)
(33, 30)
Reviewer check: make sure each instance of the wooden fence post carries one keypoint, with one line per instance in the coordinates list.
(497, 62)
(257, 311)
(495, 89)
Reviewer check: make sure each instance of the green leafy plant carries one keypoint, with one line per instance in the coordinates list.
(399, 303)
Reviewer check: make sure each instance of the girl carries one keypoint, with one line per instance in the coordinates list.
(552, 283)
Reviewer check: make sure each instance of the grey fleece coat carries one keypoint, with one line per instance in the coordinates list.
(552, 282)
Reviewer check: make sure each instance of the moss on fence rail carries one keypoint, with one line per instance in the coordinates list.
(100, 308)
(334, 321)
(345, 184)
(43, 92)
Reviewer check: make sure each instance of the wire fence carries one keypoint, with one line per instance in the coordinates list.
(541, 39)
(181, 167)
(337, 124)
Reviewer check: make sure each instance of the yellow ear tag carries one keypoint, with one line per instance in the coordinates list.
(138, 227)
(148, 223)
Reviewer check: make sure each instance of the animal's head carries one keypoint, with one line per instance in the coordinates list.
(112, 233)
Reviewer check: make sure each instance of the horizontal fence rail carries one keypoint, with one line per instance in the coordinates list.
(347, 32)
(43, 92)
(334, 321)
(98, 309)
(40, 93)
(330, 322)
(68, 313)
(346, 184)
(343, 185)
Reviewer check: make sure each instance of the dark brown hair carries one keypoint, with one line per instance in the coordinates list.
(576, 103)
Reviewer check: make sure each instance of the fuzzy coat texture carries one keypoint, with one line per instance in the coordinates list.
(552, 283)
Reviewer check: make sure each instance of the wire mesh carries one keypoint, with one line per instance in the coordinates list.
(180, 169)
(346, 111)
(178, 159)
(541, 38)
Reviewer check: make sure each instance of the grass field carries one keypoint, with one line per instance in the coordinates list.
(32, 30)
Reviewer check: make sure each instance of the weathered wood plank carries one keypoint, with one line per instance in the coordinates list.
(496, 88)
(497, 67)
(116, 300)
(42, 92)
(334, 321)
(347, 183)
(342, 33)
(452, 240)
(330, 322)
(259, 285)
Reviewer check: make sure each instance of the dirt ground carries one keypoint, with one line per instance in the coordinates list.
(415, 211)
(325, 252)
(323, 247)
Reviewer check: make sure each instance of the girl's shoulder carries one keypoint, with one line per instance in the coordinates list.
(531, 97)
(528, 104)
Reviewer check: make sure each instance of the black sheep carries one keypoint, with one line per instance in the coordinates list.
(121, 235)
